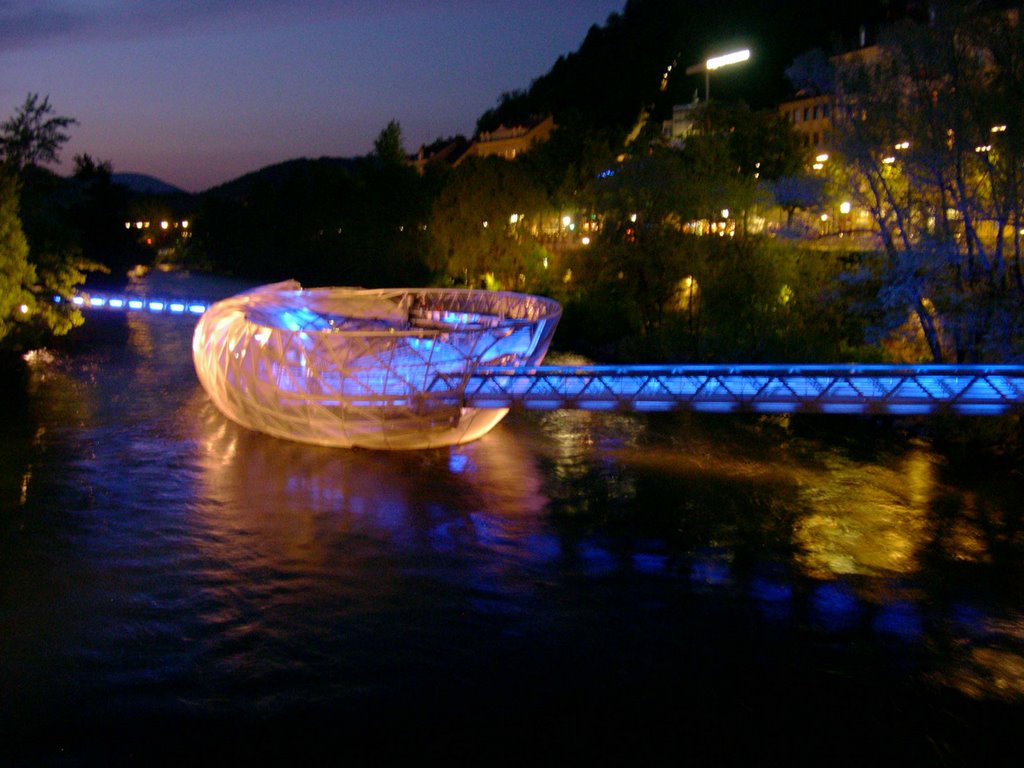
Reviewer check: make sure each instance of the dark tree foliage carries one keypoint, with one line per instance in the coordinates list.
(619, 70)
(388, 146)
(357, 222)
(34, 135)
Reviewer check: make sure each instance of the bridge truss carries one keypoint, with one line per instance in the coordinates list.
(921, 389)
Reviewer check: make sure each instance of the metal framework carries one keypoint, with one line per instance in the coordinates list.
(969, 389)
(348, 367)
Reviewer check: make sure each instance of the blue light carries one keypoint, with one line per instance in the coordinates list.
(78, 301)
(909, 409)
(767, 407)
(57, 299)
(842, 407)
(981, 410)
(597, 405)
(649, 562)
(136, 304)
(96, 301)
(156, 306)
(710, 572)
(714, 407)
(116, 303)
(835, 605)
(177, 307)
(900, 619)
(457, 462)
(197, 309)
(654, 405)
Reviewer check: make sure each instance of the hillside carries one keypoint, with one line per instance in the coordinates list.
(618, 69)
(280, 173)
(143, 184)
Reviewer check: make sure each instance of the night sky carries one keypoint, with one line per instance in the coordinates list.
(197, 93)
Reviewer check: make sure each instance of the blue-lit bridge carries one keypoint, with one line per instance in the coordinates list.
(966, 389)
(838, 389)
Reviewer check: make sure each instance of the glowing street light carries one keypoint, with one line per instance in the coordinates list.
(717, 62)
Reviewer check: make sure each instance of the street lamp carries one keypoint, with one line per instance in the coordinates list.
(717, 62)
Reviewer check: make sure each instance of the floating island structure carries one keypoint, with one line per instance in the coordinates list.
(350, 367)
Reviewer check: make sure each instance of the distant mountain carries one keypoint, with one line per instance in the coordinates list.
(281, 173)
(146, 185)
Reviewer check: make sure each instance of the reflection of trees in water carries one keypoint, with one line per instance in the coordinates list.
(858, 537)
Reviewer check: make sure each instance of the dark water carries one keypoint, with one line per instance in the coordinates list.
(615, 588)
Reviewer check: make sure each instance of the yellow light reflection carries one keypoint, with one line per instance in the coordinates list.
(867, 520)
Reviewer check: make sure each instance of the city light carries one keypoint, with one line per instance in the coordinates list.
(903, 145)
(717, 62)
(163, 225)
(889, 160)
(998, 128)
(844, 207)
(514, 218)
(24, 309)
(982, 148)
(736, 57)
(822, 158)
(566, 221)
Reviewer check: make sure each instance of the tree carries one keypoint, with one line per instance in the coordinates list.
(40, 255)
(34, 135)
(484, 223)
(930, 139)
(733, 154)
(388, 146)
(17, 275)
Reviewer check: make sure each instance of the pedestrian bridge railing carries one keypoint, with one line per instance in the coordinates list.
(892, 389)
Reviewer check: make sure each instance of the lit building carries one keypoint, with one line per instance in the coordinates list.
(681, 123)
(509, 142)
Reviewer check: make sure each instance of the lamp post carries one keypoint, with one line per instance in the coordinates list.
(716, 62)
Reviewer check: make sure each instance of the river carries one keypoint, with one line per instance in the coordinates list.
(635, 588)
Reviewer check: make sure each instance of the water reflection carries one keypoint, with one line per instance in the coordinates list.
(182, 556)
(866, 519)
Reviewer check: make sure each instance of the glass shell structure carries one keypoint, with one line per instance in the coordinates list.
(350, 367)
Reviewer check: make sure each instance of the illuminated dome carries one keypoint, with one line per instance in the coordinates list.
(364, 368)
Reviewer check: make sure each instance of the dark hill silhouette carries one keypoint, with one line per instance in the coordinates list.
(143, 184)
(618, 69)
(282, 173)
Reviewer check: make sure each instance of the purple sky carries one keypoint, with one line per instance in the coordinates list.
(198, 93)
